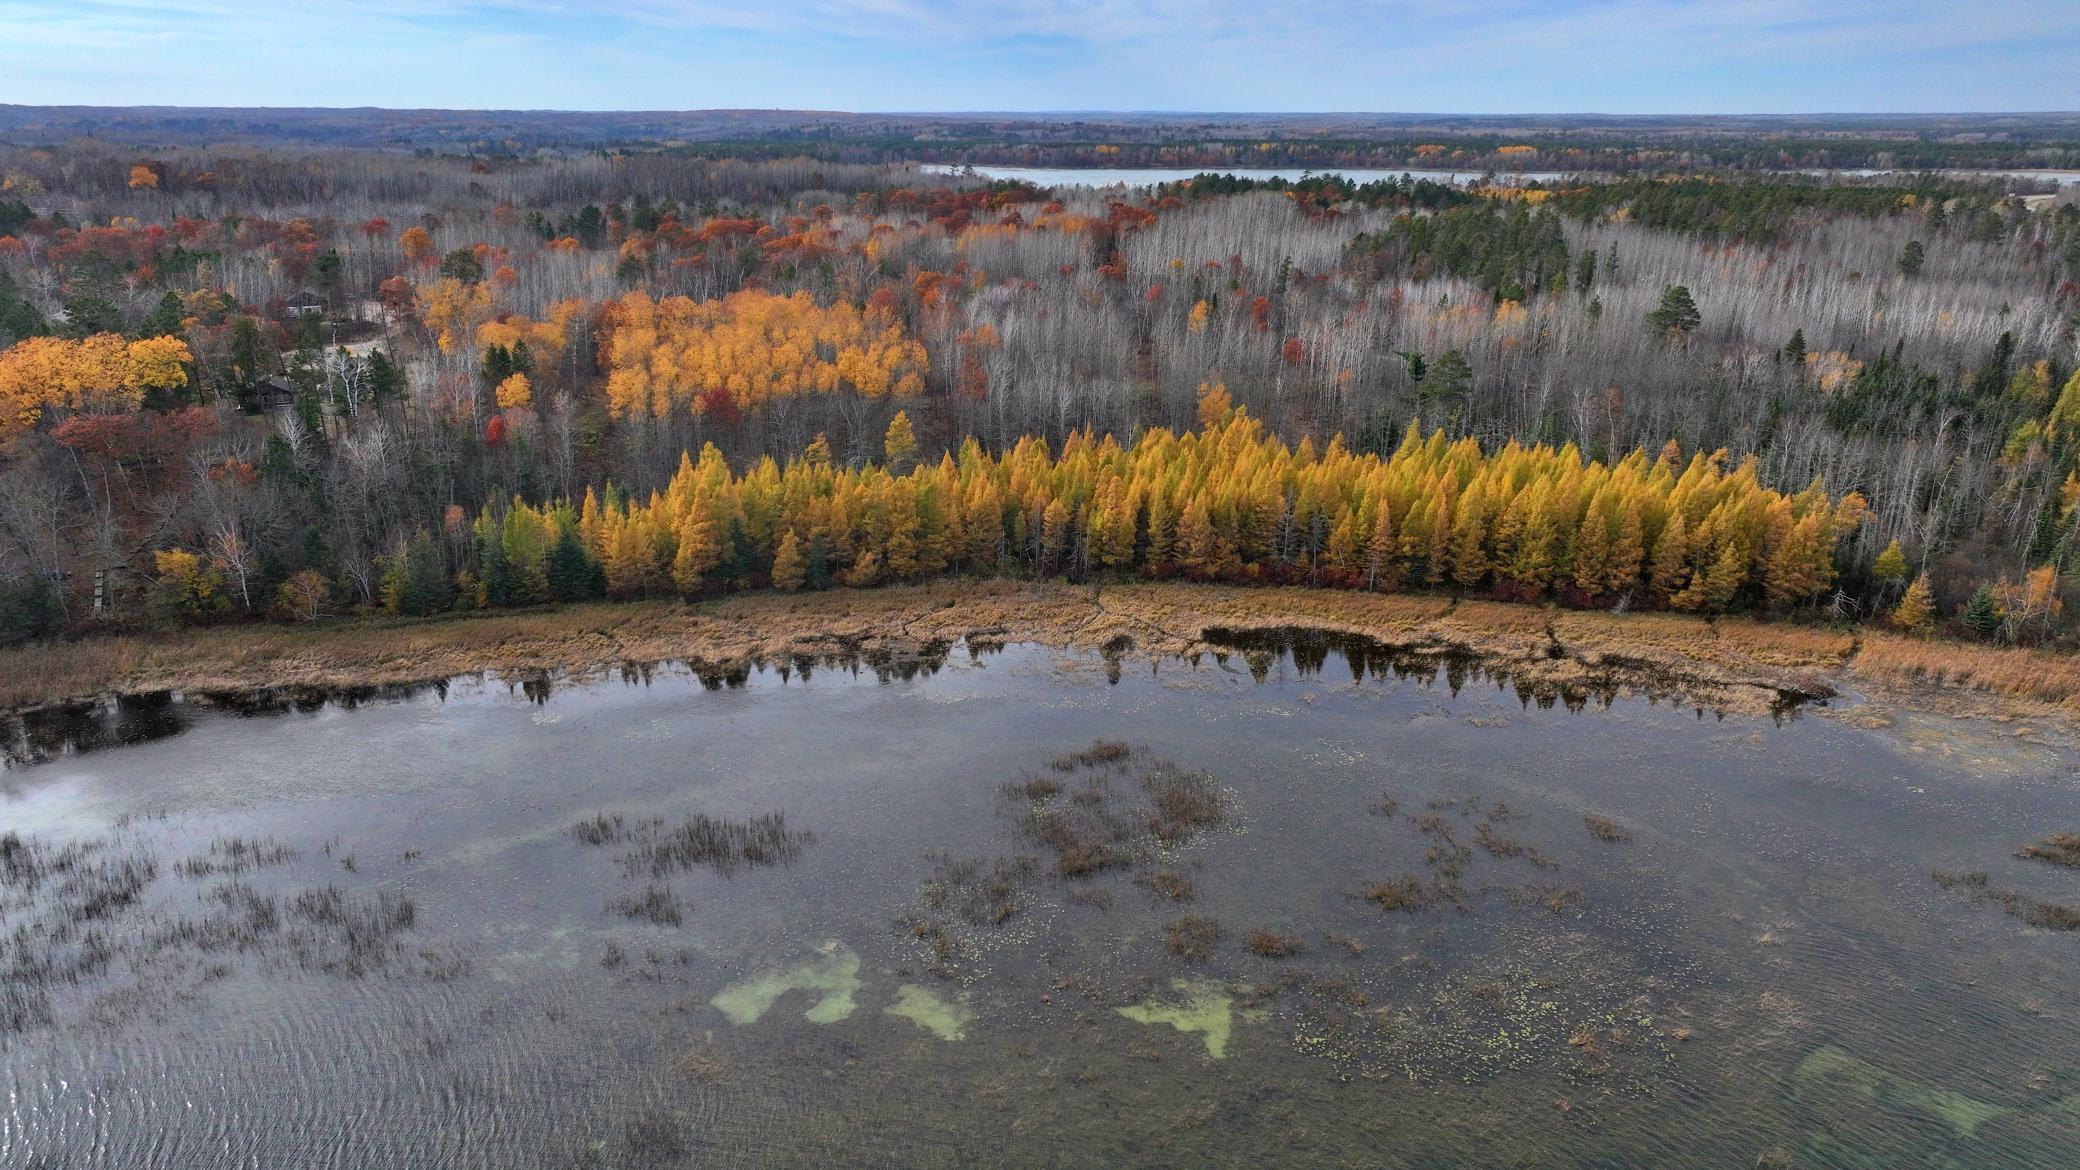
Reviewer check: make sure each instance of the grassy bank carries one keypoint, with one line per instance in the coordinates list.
(1728, 663)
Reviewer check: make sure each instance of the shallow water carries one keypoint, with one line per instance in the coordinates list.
(1755, 970)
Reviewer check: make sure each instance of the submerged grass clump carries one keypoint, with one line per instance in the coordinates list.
(1192, 937)
(1174, 884)
(655, 903)
(601, 829)
(700, 840)
(2058, 849)
(1099, 754)
(1098, 825)
(1605, 829)
(721, 845)
(1271, 944)
(2033, 912)
(357, 932)
(1406, 893)
(235, 855)
(962, 901)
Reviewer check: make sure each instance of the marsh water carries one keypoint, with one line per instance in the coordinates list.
(1308, 902)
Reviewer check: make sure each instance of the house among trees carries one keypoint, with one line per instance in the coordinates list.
(273, 394)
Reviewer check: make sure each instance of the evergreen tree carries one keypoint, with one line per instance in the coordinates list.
(1794, 350)
(416, 583)
(1982, 614)
(1911, 259)
(571, 571)
(1677, 314)
(165, 318)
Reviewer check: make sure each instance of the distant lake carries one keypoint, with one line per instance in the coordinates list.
(1150, 176)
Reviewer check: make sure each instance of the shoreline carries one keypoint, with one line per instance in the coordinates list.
(1732, 665)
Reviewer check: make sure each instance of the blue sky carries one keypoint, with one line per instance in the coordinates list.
(1477, 56)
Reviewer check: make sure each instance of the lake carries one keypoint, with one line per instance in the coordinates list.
(1311, 901)
(1150, 176)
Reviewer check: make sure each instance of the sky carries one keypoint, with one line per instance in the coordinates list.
(1458, 56)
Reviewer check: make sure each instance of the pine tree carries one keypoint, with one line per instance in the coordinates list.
(1982, 614)
(1677, 313)
(1794, 350)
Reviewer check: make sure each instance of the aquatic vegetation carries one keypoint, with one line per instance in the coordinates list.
(1099, 754)
(700, 1066)
(962, 901)
(601, 829)
(1187, 801)
(831, 979)
(1192, 937)
(700, 840)
(1605, 829)
(1271, 944)
(2033, 912)
(2058, 849)
(1838, 1086)
(1406, 893)
(1199, 1008)
(1167, 882)
(1095, 828)
(944, 1017)
(366, 927)
(235, 855)
(654, 903)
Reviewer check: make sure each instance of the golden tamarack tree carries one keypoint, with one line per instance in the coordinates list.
(1229, 502)
(752, 346)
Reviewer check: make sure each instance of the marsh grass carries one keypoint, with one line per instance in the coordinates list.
(2058, 849)
(235, 855)
(1272, 944)
(1094, 821)
(1192, 937)
(1406, 894)
(1173, 884)
(724, 846)
(654, 903)
(1605, 829)
(1978, 886)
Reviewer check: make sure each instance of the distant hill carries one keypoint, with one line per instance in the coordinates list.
(517, 130)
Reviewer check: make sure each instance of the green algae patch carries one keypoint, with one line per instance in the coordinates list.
(833, 978)
(1839, 1086)
(1202, 1008)
(945, 1018)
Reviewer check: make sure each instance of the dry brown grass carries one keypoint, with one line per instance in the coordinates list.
(2039, 676)
(1730, 664)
